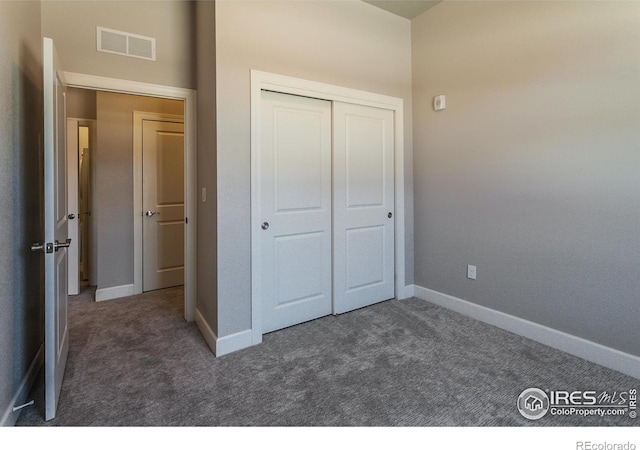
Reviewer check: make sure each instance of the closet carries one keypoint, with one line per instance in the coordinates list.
(326, 191)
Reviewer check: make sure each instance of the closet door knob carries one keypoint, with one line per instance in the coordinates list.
(390, 215)
(265, 225)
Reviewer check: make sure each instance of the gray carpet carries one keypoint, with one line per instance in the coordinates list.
(136, 362)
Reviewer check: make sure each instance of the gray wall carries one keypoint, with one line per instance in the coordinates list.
(72, 26)
(113, 211)
(350, 44)
(532, 173)
(207, 177)
(21, 273)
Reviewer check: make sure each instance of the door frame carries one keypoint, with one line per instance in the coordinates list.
(289, 85)
(188, 96)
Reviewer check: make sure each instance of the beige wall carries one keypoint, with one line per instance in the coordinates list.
(81, 103)
(346, 43)
(113, 211)
(72, 26)
(532, 171)
(21, 273)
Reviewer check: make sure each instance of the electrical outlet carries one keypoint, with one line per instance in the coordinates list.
(471, 272)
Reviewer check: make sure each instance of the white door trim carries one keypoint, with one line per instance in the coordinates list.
(138, 117)
(289, 85)
(189, 97)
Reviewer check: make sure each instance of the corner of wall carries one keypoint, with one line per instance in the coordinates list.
(221, 346)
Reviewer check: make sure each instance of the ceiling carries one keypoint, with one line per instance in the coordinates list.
(405, 8)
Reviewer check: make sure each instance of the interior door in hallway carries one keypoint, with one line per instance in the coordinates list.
(363, 206)
(295, 209)
(73, 252)
(163, 204)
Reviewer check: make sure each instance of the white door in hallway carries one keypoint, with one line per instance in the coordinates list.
(295, 209)
(163, 204)
(56, 239)
(73, 253)
(363, 206)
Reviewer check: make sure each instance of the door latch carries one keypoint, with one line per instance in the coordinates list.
(59, 245)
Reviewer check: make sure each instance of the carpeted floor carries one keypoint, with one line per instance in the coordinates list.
(136, 362)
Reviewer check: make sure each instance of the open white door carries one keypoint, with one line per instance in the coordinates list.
(73, 253)
(55, 229)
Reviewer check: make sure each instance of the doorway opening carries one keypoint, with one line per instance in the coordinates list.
(81, 138)
(135, 158)
(115, 178)
(84, 203)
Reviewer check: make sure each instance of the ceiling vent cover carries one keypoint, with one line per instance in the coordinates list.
(126, 44)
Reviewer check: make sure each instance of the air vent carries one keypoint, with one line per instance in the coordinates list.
(126, 44)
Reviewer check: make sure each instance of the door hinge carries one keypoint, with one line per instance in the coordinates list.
(49, 247)
(186, 220)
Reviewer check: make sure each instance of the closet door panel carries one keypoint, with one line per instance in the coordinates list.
(295, 203)
(363, 206)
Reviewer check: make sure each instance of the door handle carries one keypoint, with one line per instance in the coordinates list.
(151, 213)
(37, 246)
(390, 215)
(265, 226)
(71, 216)
(59, 245)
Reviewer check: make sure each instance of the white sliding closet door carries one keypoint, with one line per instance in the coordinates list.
(295, 208)
(363, 206)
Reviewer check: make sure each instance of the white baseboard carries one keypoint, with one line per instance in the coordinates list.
(406, 292)
(207, 333)
(115, 292)
(234, 342)
(585, 349)
(223, 345)
(9, 417)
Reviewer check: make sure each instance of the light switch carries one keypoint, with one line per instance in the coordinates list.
(439, 103)
(471, 272)
(204, 195)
